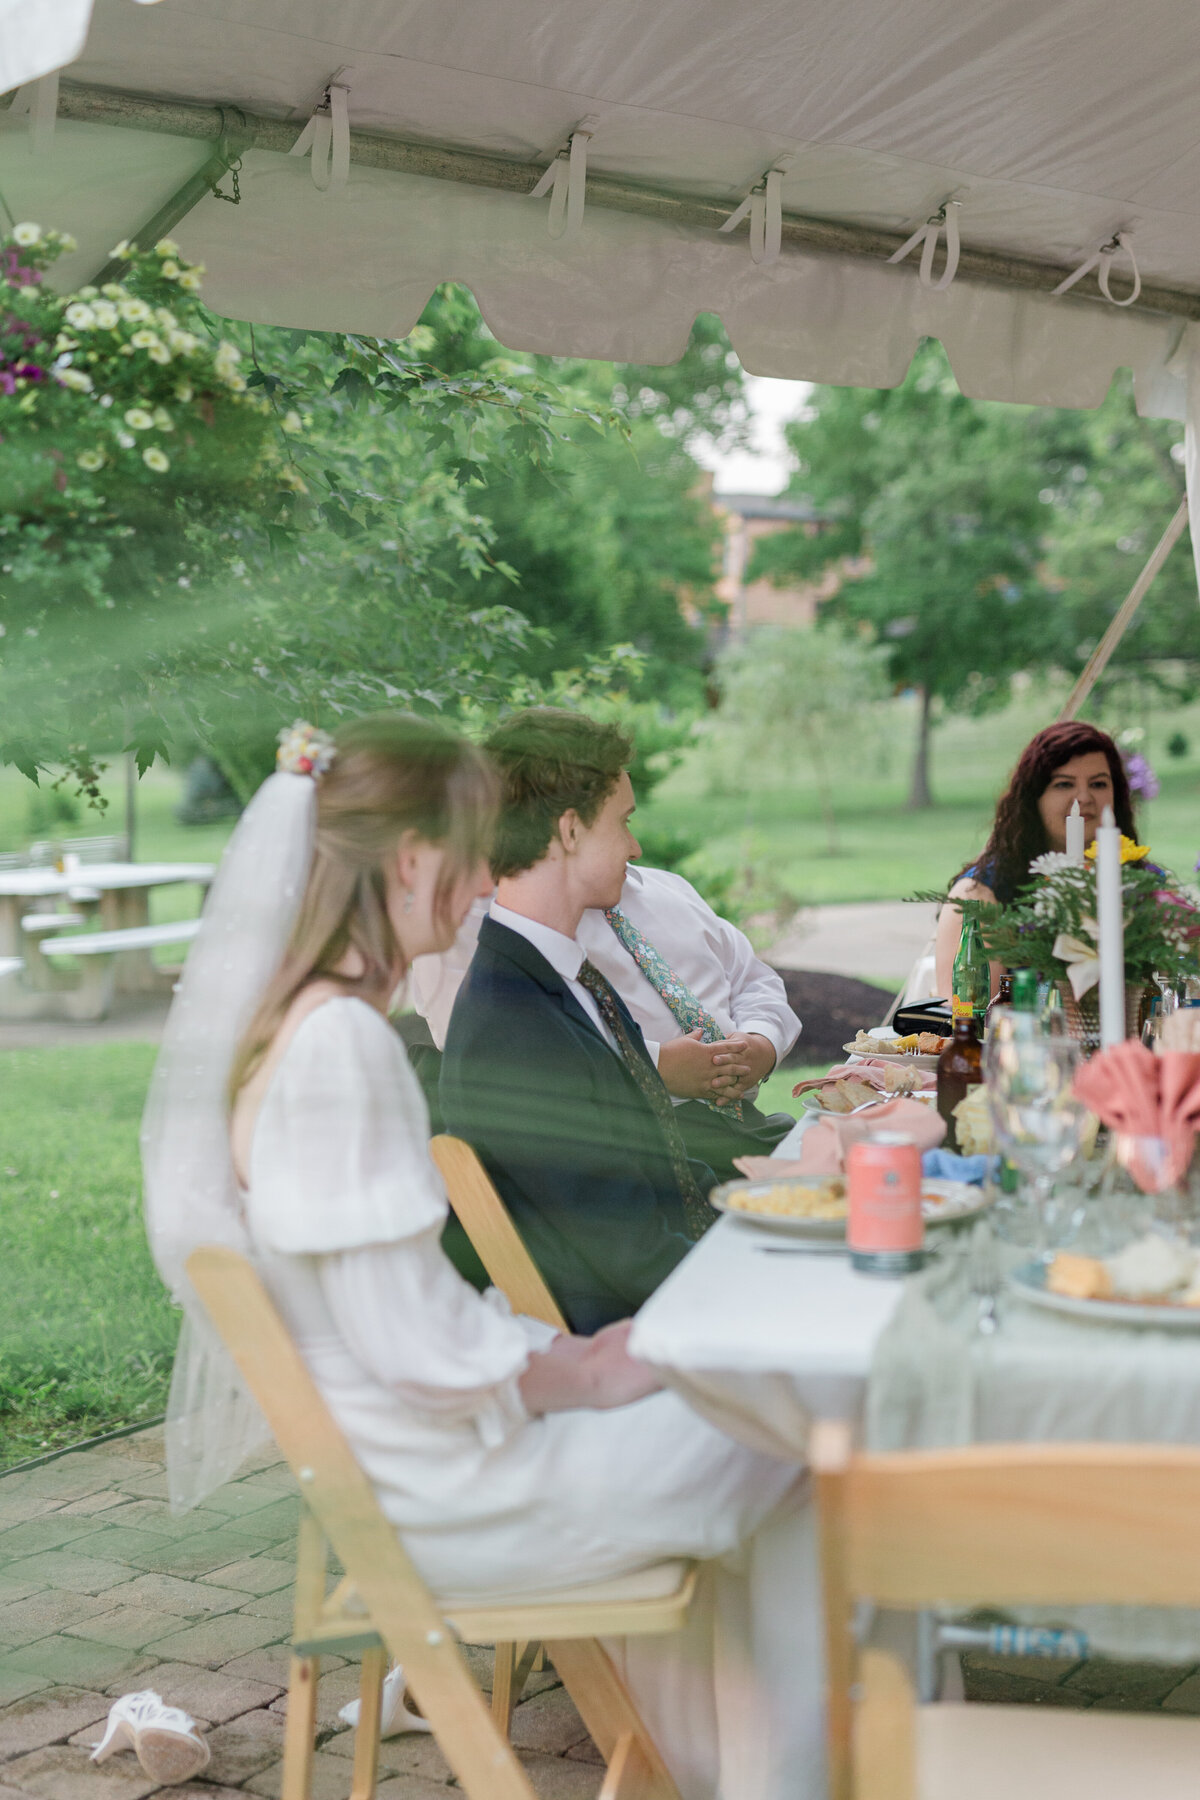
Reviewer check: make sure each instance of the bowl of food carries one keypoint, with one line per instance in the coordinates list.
(814, 1206)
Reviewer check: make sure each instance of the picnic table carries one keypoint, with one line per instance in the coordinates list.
(115, 894)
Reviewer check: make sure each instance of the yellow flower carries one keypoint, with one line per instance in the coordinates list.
(1130, 852)
(155, 459)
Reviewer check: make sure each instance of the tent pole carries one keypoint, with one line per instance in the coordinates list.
(91, 105)
(180, 204)
(1098, 660)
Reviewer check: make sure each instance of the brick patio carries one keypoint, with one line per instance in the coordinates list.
(102, 1591)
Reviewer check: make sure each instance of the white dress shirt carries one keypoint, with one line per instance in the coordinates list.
(713, 957)
(565, 956)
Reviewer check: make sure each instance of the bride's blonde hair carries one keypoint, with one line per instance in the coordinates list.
(391, 773)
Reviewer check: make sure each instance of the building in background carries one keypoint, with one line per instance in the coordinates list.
(745, 519)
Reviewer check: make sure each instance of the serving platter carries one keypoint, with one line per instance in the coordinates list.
(942, 1202)
(919, 1059)
(811, 1102)
(1029, 1283)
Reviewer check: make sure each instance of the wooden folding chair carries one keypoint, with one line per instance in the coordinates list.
(500, 1248)
(382, 1607)
(1009, 1524)
(495, 1239)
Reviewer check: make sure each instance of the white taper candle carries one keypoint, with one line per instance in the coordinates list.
(1075, 833)
(1110, 922)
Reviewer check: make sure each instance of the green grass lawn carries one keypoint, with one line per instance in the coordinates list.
(86, 1330)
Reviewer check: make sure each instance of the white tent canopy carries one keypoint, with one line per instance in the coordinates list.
(1053, 128)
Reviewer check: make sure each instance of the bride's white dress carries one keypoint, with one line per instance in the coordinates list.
(345, 1209)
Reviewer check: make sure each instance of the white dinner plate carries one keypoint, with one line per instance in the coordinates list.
(811, 1103)
(943, 1203)
(1029, 1282)
(919, 1058)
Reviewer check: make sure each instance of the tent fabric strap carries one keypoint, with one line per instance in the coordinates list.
(95, 105)
(38, 100)
(326, 138)
(1101, 260)
(566, 183)
(945, 218)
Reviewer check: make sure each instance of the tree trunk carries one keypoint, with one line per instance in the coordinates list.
(919, 796)
(824, 795)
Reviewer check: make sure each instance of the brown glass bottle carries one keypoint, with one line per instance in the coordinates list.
(960, 1067)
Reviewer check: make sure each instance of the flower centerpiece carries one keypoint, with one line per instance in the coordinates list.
(1051, 927)
(113, 390)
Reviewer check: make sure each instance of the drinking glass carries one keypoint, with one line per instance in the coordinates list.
(1039, 1124)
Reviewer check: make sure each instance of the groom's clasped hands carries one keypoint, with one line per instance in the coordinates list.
(722, 1071)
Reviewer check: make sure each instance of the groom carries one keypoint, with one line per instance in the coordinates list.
(544, 1070)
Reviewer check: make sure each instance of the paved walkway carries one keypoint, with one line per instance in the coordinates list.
(876, 941)
(103, 1592)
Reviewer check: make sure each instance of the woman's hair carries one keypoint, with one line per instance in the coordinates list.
(392, 773)
(1018, 834)
(550, 761)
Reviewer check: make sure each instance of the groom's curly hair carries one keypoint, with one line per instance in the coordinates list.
(551, 761)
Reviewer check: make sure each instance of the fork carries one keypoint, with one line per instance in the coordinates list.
(987, 1280)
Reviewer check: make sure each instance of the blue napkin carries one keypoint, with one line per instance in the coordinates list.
(944, 1165)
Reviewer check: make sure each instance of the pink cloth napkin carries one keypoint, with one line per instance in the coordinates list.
(1138, 1094)
(868, 1071)
(824, 1145)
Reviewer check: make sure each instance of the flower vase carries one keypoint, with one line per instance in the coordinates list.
(1083, 1015)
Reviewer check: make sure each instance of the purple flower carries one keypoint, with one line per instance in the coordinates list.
(1143, 782)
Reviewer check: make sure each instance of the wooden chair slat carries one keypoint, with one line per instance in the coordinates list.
(497, 1242)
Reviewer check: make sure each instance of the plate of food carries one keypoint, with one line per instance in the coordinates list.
(815, 1205)
(1153, 1281)
(849, 1094)
(920, 1048)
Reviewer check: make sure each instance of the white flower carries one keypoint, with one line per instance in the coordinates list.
(136, 311)
(80, 316)
(123, 249)
(106, 315)
(106, 399)
(165, 317)
(171, 270)
(126, 442)
(143, 340)
(27, 234)
(304, 750)
(91, 460)
(183, 343)
(67, 241)
(292, 423)
(75, 378)
(227, 358)
(190, 279)
(87, 293)
(155, 459)
(159, 354)
(63, 342)
(163, 419)
(112, 290)
(1052, 862)
(166, 247)
(28, 292)
(184, 391)
(138, 419)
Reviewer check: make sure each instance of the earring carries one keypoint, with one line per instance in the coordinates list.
(408, 902)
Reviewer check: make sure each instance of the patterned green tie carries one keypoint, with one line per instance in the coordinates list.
(689, 1013)
(697, 1212)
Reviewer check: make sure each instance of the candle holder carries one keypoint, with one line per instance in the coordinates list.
(1083, 1015)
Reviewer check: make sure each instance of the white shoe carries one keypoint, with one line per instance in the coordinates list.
(163, 1738)
(395, 1716)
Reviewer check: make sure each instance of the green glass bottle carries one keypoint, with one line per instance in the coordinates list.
(1024, 990)
(972, 978)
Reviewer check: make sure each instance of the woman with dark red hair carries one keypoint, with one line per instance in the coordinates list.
(1067, 762)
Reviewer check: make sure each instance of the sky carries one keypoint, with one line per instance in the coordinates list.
(766, 466)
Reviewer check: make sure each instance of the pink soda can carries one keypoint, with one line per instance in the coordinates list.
(885, 1229)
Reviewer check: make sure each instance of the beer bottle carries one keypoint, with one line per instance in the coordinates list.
(960, 1065)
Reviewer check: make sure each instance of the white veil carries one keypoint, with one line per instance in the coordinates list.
(190, 1187)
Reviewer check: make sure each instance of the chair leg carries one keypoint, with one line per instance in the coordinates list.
(606, 1707)
(503, 1669)
(629, 1776)
(366, 1739)
(300, 1730)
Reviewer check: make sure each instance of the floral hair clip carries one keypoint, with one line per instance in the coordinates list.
(303, 750)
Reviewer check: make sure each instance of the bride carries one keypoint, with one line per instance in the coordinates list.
(284, 1119)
